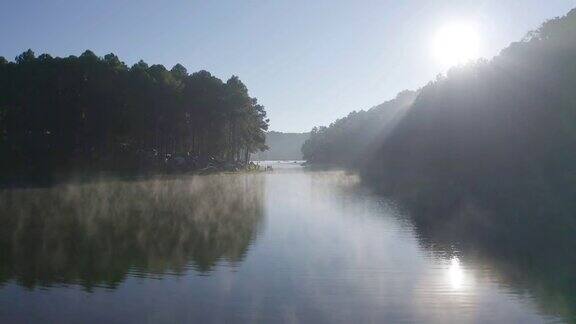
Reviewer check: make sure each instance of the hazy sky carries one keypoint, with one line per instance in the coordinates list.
(309, 62)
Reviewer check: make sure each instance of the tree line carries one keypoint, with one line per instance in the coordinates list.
(91, 114)
(349, 140)
(493, 137)
(483, 160)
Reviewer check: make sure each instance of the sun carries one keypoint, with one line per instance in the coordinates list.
(456, 43)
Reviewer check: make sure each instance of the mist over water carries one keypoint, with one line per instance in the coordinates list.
(98, 233)
(283, 246)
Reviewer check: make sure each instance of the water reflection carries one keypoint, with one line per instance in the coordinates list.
(96, 234)
(331, 251)
(479, 275)
(532, 259)
(360, 259)
(455, 274)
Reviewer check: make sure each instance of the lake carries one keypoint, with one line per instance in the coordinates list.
(291, 246)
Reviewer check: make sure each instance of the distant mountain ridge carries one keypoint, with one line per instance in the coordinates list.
(282, 146)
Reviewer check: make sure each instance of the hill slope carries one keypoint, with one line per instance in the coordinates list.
(500, 131)
(350, 139)
(485, 157)
(282, 146)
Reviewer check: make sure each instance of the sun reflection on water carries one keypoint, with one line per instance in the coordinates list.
(455, 274)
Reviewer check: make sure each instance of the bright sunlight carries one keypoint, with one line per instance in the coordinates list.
(456, 43)
(455, 274)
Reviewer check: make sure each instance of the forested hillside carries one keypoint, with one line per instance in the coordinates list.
(496, 135)
(348, 140)
(282, 146)
(484, 159)
(90, 113)
(501, 132)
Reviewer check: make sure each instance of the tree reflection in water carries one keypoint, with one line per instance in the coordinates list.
(98, 233)
(534, 258)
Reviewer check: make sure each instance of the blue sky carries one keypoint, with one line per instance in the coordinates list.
(308, 62)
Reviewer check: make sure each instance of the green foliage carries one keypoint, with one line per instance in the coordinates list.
(499, 131)
(87, 113)
(26, 57)
(497, 134)
(484, 160)
(349, 140)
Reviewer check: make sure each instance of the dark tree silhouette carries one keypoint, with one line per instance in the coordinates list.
(90, 114)
(484, 160)
(349, 140)
(498, 135)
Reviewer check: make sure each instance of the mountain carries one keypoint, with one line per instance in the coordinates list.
(282, 146)
(493, 139)
(350, 139)
(499, 133)
(485, 157)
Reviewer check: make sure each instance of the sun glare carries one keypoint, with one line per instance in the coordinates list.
(455, 274)
(456, 43)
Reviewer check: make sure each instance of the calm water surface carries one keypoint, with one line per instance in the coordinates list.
(285, 246)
